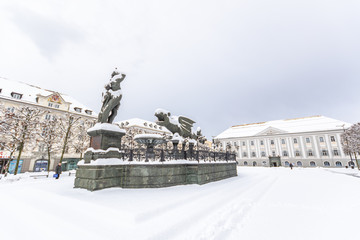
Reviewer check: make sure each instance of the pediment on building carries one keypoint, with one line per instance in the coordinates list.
(270, 131)
(54, 97)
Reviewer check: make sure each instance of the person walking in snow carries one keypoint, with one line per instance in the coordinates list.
(291, 165)
(58, 170)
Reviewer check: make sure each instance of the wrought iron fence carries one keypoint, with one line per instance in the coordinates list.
(140, 154)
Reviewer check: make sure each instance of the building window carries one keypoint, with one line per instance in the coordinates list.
(40, 165)
(326, 164)
(312, 164)
(253, 154)
(295, 141)
(11, 109)
(297, 153)
(244, 143)
(88, 112)
(77, 110)
(16, 95)
(332, 139)
(307, 140)
(57, 105)
(50, 104)
(254, 163)
(338, 164)
(47, 116)
(244, 154)
(234, 142)
(273, 153)
(324, 152)
(282, 141)
(285, 153)
(287, 164)
(261, 142)
(321, 139)
(245, 163)
(272, 142)
(310, 153)
(252, 143)
(299, 164)
(336, 152)
(263, 154)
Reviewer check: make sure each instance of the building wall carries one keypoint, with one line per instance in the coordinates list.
(32, 151)
(311, 149)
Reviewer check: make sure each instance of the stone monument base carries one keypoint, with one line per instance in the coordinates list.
(105, 142)
(97, 177)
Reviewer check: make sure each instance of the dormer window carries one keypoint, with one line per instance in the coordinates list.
(16, 95)
(145, 124)
(88, 112)
(77, 110)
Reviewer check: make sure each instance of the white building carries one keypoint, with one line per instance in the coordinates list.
(307, 142)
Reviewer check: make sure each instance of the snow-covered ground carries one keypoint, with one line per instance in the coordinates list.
(261, 203)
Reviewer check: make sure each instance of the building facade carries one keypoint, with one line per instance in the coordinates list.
(304, 142)
(14, 95)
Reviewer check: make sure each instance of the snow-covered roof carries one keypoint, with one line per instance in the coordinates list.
(295, 125)
(29, 93)
(137, 122)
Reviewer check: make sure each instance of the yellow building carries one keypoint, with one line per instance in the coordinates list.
(34, 158)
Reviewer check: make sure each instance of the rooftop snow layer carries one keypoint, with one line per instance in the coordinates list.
(30, 92)
(296, 125)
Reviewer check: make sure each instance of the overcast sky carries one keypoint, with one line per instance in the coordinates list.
(221, 63)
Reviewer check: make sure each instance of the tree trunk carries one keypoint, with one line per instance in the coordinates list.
(65, 143)
(18, 158)
(357, 164)
(48, 166)
(81, 155)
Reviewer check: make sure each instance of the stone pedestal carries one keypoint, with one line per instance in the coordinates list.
(105, 142)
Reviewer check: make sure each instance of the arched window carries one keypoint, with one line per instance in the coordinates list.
(338, 164)
(312, 164)
(326, 164)
(40, 165)
(295, 141)
(297, 153)
(254, 163)
(310, 153)
(287, 163)
(299, 164)
(245, 163)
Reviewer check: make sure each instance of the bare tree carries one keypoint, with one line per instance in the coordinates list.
(350, 141)
(48, 135)
(81, 140)
(66, 124)
(19, 125)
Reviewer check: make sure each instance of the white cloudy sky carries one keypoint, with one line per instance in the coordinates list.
(221, 63)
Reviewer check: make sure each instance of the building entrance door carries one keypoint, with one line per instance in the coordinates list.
(275, 161)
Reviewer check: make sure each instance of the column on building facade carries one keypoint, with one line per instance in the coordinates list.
(302, 147)
(340, 149)
(291, 147)
(257, 147)
(278, 141)
(248, 148)
(267, 146)
(328, 145)
(317, 147)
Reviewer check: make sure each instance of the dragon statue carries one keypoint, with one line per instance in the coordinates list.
(178, 124)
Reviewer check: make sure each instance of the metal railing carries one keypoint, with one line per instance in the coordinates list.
(162, 155)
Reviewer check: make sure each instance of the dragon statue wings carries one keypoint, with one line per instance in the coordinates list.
(176, 124)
